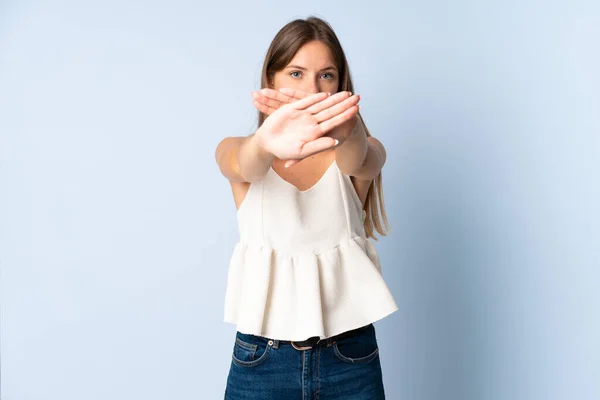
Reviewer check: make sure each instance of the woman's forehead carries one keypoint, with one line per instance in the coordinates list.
(313, 56)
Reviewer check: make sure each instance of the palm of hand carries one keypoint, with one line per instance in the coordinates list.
(287, 130)
(278, 99)
(304, 134)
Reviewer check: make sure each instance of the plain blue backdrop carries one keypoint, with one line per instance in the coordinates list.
(116, 226)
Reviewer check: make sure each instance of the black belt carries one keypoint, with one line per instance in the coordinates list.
(313, 341)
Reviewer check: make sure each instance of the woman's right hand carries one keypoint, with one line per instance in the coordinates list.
(295, 130)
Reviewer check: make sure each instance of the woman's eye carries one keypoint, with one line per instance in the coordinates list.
(298, 72)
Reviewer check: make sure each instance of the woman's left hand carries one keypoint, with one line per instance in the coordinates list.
(268, 100)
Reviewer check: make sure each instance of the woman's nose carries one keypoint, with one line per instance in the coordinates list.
(312, 88)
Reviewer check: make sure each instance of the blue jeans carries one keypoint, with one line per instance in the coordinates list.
(265, 369)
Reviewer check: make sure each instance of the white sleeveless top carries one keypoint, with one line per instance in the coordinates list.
(303, 266)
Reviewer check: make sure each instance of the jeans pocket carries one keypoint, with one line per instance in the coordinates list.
(357, 349)
(250, 350)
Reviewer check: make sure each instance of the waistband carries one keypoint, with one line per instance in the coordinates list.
(316, 341)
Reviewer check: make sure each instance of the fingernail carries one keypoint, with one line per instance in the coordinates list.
(336, 142)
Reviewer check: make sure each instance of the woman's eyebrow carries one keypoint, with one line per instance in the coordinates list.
(331, 67)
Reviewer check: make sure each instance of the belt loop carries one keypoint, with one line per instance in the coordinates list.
(275, 344)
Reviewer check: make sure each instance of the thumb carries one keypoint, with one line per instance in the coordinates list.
(317, 145)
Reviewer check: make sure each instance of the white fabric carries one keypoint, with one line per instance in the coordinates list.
(303, 266)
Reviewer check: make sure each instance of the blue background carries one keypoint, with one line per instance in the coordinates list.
(116, 226)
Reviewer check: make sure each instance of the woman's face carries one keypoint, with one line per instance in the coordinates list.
(311, 70)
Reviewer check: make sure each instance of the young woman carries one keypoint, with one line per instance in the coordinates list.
(304, 283)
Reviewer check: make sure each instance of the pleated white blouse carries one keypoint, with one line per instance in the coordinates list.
(303, 266)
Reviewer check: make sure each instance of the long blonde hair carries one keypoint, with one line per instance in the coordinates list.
(284, 46)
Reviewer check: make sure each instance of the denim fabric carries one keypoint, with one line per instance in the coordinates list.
(265, 369)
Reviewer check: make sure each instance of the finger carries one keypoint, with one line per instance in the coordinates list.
(289, 163)
(266, 100)
(294, 93)
(309, 100)
(317, 145)
(271, 106)
(336, 109)
(331, 101)
(338, 119)
(276, 95)
(263, 108)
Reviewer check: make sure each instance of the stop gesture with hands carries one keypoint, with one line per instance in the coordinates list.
(300, 124)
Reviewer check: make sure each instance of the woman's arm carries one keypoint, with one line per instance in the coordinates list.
(292, 131)
(360, 155)
(241, 159)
